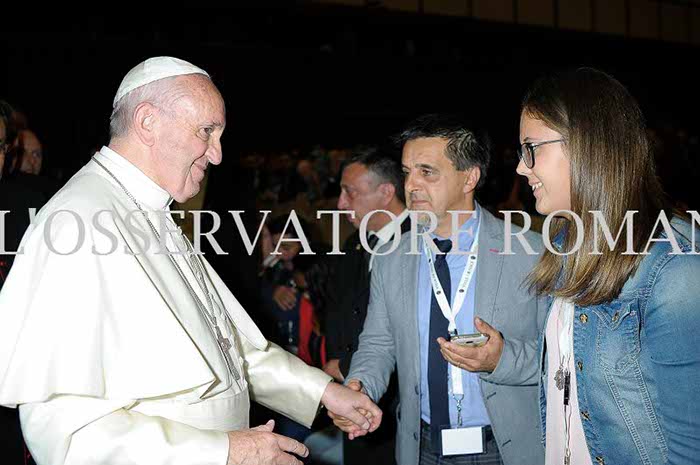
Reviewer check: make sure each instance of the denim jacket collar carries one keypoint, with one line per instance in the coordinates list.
(558, 240)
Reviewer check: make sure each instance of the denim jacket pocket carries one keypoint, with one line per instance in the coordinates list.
(617, 341)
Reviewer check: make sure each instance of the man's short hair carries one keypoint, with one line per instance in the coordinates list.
(466, 148)
(383, 165)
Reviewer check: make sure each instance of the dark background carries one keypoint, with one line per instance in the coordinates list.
(295, 75)
(298, 75)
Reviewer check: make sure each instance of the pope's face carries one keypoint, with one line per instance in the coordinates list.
(189, 138)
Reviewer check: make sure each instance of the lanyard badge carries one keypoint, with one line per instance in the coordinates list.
(460, 440)
(450, 312)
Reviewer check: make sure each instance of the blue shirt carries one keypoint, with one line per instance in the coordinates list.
(473, 409)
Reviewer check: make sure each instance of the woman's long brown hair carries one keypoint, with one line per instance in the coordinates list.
(612, 171)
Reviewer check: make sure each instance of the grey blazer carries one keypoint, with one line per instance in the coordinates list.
(390, 338)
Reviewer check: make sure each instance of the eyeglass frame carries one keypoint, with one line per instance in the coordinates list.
(530, 147)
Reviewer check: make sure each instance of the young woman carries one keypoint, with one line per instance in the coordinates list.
(621, 360)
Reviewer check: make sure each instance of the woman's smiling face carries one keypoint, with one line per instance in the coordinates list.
(550, 177)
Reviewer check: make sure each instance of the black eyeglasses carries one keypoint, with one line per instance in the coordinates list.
(526, 152)
(4, 146)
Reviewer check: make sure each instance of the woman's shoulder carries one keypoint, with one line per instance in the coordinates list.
(675, 251)
(672, 266)
(678, 238)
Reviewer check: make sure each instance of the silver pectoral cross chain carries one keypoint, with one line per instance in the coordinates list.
(226, 346)
(198, 270)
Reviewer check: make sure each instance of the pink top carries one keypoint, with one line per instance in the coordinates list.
(556, 428)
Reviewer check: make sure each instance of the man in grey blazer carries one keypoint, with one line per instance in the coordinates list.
(444, 163)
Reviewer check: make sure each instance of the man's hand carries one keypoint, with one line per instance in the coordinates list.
(484, 358)
(285, 296)
(332, 368)
(351, 410)
(343, 423)
(260, 446)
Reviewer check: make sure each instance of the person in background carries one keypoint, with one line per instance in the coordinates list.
(371, 180)
(287, 304)
(30, 154)
(25, 164)
(279, 288)
(14, 199)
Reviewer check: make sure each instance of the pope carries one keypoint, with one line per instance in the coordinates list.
(116, 352)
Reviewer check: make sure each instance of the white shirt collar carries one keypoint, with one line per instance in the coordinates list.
(144, 189)
(385, 234)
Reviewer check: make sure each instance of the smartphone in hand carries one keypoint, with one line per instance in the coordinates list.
(471, 340)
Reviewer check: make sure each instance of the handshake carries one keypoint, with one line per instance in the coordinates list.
(351, 410)
(365, 418)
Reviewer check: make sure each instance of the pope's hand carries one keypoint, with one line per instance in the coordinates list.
(351, 410)
(346, 425)
(260, 445)
(484, 358)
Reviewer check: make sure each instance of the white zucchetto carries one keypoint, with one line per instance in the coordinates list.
(152, 70)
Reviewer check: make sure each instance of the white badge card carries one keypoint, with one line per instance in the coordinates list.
(460, 441)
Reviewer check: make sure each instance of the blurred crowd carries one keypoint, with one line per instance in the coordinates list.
(308, 180)
(24, 183)
(293, 287)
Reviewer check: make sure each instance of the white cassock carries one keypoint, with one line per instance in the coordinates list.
(108, 355)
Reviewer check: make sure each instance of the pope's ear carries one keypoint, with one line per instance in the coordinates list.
(143, 123)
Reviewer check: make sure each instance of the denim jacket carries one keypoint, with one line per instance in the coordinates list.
(637, 362)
